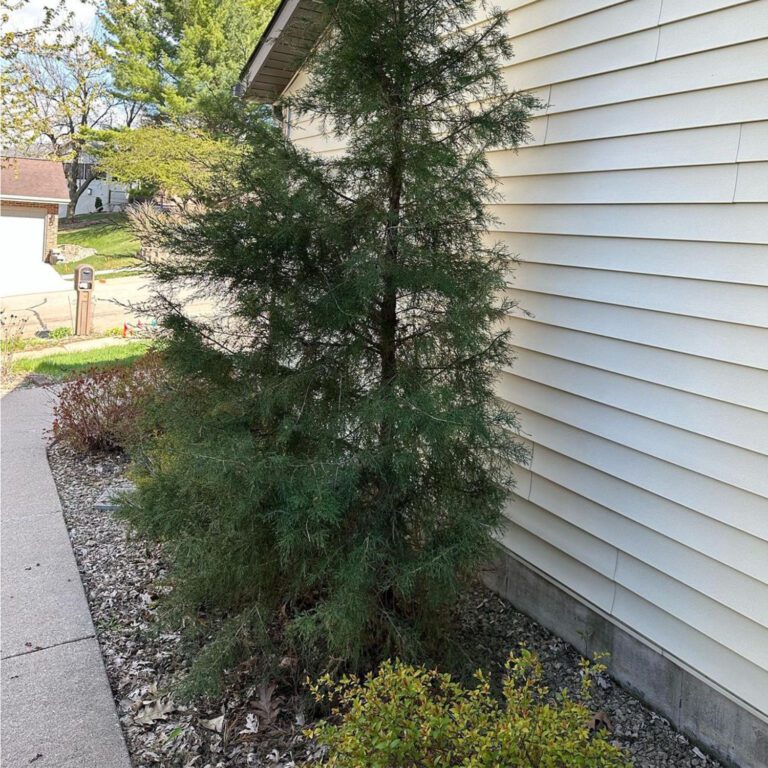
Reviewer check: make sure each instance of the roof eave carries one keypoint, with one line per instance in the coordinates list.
(31, 199)
(289, 38)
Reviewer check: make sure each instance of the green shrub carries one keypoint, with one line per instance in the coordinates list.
(412, 717)
(104, 409)
(62, 332)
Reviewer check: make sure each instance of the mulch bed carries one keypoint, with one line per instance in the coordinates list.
(125, 576)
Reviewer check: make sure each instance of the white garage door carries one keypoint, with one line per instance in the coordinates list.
(22, 270)
(21, 237)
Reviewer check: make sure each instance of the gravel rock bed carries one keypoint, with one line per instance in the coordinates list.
(491, 627)
(124, 576)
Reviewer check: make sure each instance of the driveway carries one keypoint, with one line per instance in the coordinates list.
(27, 276)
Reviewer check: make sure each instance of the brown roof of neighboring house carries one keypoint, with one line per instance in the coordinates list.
(23, 178)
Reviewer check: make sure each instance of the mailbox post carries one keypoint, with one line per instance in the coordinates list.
(84, 287)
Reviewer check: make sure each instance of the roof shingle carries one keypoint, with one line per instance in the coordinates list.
(25, 178)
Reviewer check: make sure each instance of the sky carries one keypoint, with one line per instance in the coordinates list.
(34, 11)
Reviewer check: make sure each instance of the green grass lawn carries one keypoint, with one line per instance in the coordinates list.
(109, 234)
(60, 365)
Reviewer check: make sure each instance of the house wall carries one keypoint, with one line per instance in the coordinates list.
(639, 211)
(100, 188)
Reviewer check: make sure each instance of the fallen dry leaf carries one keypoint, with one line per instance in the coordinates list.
(268, 706)
(600, 720)
(251, 724)
(154, 710)
(215, 724)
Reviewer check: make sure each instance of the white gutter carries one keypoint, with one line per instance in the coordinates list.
(29, 199)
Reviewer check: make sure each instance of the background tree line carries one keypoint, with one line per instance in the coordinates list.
(139, 92)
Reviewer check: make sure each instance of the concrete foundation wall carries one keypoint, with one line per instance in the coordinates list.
(729, 731)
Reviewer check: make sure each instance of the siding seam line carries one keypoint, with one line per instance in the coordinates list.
(651, 97)
(530, 471)
(658, 36)
(738, 164)
(643, 133)
(637, 65)
(623, 340)
(638, 135)
(738, 144)
(662, 311)
(538, 351)
(564, 20)
(622, 409)
(546, 114)
(611, 270)
(617, 271)
(629, 236)
(625, 409)
(624, 169)
(613, 581)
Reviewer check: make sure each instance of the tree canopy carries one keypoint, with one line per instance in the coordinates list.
(181, 59)
(163, 157)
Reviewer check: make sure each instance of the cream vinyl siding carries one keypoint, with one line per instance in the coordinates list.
(639, 211)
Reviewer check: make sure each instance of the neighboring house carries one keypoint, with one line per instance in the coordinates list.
(640, 213)
(111, 195)
(31, 192)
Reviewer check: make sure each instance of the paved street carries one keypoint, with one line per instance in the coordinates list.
(53, 310)
(57, 707)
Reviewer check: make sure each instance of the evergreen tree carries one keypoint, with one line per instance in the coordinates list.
(181, 59)
(334, 461)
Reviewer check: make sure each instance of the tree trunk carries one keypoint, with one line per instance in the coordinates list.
(388, 328)
(74, 194)
(391, 256)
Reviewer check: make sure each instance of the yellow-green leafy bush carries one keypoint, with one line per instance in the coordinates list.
(411, 717)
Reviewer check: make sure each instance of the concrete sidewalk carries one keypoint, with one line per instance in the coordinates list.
(57, 708)
(75, 344)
